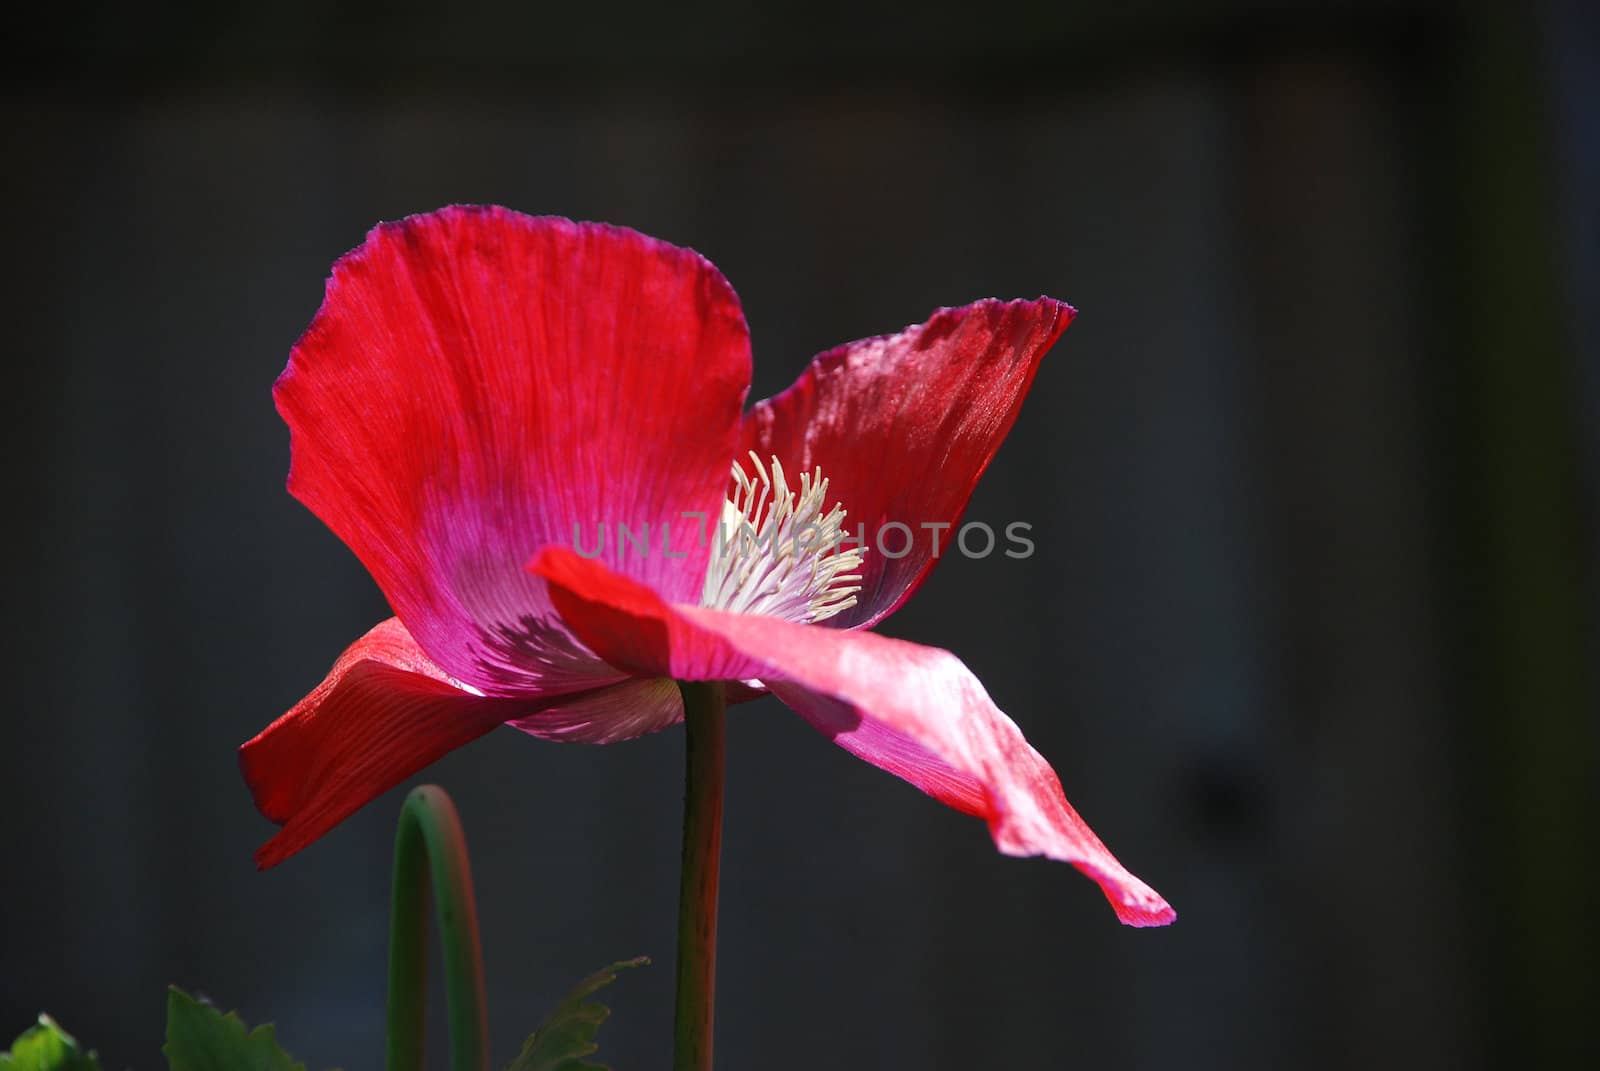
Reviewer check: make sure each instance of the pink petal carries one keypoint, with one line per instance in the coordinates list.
(479, 384)
(386, 711)
(904, 425)
(914, 711)
(607, 715)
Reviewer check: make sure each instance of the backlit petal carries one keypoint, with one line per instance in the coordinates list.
(914, 711)
(479, 384)
(608, 715)
(386, 711)
(903, 426)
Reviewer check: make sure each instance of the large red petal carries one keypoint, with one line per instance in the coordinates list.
(903, 426)
(914, 711)
(386, 711)
(479, 384)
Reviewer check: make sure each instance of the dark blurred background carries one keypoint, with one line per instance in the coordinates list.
(1310, 634)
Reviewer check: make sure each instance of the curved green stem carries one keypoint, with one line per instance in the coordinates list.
(703, 715)
(430, 844)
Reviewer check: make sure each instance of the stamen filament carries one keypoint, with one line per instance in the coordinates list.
(778, 552)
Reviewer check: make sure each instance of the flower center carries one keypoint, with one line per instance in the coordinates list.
(777, 553)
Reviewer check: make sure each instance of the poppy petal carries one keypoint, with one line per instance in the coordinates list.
(386, 711)
(914, 711)
(608, 715)
(903, 426)
(479, 384)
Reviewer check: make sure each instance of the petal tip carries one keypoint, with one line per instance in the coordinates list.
(267, 856)
(1135, 903)
(1144, 915)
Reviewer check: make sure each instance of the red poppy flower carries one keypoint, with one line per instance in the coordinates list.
(524, 429)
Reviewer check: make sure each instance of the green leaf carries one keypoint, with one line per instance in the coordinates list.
(201, 1038)
(567, 1034)
(47, 1047)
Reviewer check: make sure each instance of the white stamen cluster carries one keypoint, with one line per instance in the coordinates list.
(777, 553)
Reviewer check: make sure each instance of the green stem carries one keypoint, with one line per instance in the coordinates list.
(703, 716)
(430, 843)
